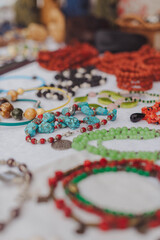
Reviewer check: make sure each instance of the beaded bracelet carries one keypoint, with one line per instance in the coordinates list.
(109, 218)
(153, 63)
(16, 113)
(45, 123)
(148, 113)
(25, 176)
(32, 113)
(2, 78)
(81, 142)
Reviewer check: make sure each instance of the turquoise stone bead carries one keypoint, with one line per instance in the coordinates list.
(87, 110)
(91, 120)
(64, 111)
(81, 104)
(48, 117)
(31, 129)
(46, 127)
(101, 111)
(72, 122)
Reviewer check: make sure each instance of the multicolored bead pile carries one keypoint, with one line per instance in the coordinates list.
(109, 218)
(81, 142)
(45, 123)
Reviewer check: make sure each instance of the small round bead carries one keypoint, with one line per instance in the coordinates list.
(57, 114)
(11, 162)
(104, 122)
(68, 114)
(20, 91)
(34, 141)
(2, 226)
(30, 113)
(51, 140)
(15, 213)
(83, 129)
(90, 128)
(40, 111)
(97, 125)
(28, 138)
(58, 137)
(13, 95)
(42, 141)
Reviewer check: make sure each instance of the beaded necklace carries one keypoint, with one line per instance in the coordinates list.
(81, 142)
(121, 99)
(46, 123)
(73, 79)
(25, 176)
(109, 218)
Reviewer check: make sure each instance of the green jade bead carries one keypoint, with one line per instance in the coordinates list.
(82, 142)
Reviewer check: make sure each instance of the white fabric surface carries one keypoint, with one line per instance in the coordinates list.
(120, 191)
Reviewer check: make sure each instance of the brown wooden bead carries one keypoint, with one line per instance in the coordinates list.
(30, 113)
(13, 95)
(6, 109)
(3, 100)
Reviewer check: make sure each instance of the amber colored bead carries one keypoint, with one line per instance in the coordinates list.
(13, 95)
(6, 109)
(40, 111)
(20, 91)
(30, 113)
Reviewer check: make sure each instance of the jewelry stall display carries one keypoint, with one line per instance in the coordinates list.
(14, 78)
(109, 218)
(24, 176)
(71, 56)
(148, 113)
(45, 123)
(73, 79)
(81, 142)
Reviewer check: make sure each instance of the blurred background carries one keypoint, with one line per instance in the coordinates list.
(27, 26)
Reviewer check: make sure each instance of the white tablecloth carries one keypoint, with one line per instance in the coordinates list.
(119, 191)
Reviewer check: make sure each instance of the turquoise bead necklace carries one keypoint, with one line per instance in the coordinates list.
(81, 142)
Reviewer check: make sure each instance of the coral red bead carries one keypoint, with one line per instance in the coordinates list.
(158, 214)
(67, 212)
(33, 140)
(97, 125)
(87, 163)
(68, 114)
(83, 129)
(103, 162)
(27, 138)
(122, 222)
(58, 114)
(60, 203)
(76, 106)
(58, 137)
(59, 175)
(52, 182)
(51, 139)
(110, 117)
(90, 128)
(40, 116)
(42, 141)
(104, 121)
(104, 226)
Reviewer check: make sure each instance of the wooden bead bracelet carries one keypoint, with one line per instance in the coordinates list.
(109, 218)
(24, 176)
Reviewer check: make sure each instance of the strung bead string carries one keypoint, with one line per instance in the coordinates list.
(81, 142)
(109, 218)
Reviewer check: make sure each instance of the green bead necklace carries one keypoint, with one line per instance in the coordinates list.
(81, 142)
